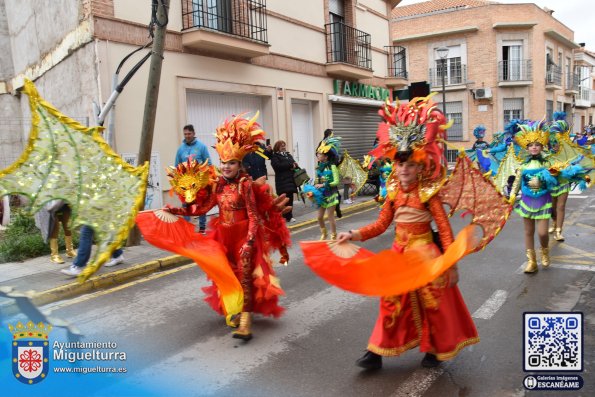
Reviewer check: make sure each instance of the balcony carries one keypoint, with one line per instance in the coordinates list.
(515, 73)
(397, 67)
(228, 27)
(553, 78)
(348, 53)
(572, 82)
(583, 99)
(455, 78)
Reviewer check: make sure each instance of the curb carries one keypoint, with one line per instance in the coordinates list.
(118, 277)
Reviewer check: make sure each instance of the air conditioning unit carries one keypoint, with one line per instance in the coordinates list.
(483, 93)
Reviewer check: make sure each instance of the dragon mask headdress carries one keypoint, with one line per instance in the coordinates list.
(413, 131)
(533, 131)
(238, 137)
(188, 179)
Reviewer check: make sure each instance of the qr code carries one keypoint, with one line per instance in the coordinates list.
(553, 341)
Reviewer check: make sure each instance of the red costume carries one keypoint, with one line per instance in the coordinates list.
(239, 224)
(435, 316)
(249, 226)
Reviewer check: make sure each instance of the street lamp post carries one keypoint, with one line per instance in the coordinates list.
(443, 55)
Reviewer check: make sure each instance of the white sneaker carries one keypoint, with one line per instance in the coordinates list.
(348, 201)
(72, 271)
(292, 220)
(115, 261)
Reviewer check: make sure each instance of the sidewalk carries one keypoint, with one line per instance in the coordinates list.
(42, 282)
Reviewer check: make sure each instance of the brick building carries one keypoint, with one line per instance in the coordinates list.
(503, 61)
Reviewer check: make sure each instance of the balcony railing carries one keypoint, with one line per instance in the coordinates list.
(348, 45)
(553, 75)
(572, 81)
(243, 18)
(456, 75)
(511, 71)
(397, 61)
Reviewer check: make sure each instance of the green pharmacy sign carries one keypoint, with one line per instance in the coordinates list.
(354, 89)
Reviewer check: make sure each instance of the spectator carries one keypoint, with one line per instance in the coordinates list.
(84, 253)
(283, 165)
(195, 149)
(255, 164)
(48, 220)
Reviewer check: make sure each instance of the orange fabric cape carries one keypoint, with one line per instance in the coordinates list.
(387, 273)
(168, 232)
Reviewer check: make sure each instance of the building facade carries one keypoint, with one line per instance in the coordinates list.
(306, 66)
(496, 61)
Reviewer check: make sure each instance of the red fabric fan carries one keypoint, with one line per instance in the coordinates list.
(166, 231)
(387, 273)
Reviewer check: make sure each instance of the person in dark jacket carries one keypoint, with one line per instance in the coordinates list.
(255, 164)
(284, 164)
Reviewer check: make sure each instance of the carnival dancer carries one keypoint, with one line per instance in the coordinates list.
(479, 133)
(248, 225)
(385, 168)
(433, 317)
(558, 129)
(324, 190)
(536, 179)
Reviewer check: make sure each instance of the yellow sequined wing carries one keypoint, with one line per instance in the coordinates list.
(66, 160)
(508, 166)
(352, 169)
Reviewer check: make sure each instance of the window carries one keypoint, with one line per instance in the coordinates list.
(513, 109)
(452, 69)
(549, 110)
(512, 57)
(338, 36)
(568, 72)
(214, 14)
(454, 112)
(399, 63)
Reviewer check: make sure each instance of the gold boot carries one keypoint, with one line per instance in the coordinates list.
(54, 255)
(70, 252)
(545, 256)
(552, 228)
(323, 234)
(334, 236)
(531, 262)
(243, 331)
(558, 234)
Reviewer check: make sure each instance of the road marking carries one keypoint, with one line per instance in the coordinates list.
(585, 226)
(492, 305)
(419, 382)
(222, 364)
(587, 268)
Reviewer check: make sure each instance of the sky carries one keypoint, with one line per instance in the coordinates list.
(577, 15)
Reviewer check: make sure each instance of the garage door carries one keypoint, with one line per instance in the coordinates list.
(207, 110)
(357, 126)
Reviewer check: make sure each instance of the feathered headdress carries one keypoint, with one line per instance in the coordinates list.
(413, 131)
(533, 131)
(330, 146)
(479, 131)
(238, 137)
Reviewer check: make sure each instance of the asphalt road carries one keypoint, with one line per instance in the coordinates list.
(176, 344)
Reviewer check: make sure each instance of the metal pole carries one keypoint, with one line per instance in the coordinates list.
(443, 87)
(146, 142)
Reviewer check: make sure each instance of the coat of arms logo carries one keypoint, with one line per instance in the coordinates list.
(30, 351)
